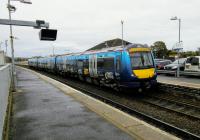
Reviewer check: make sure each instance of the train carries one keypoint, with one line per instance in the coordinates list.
(121, 67)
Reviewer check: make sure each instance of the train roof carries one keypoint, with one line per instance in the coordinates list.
(114, 46)
(110, 49)
(110, 43)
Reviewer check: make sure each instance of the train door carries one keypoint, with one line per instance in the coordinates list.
(47, 64)
(63, 63)
(93, 65)
(90, 65)
(118, 63)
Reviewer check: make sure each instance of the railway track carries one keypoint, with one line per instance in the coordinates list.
(191, 92)
(176, 99)
(149, 118)
(183, 108)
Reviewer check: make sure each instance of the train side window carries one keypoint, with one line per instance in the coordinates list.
(80, 63)
(86, 63)
(90, 63)
(70, 62)
(75, 62)
(118, 63)
(108, 63)
(67, 62)
(100, 63)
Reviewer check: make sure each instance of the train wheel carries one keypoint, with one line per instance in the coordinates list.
(88, 79)
(96, 82)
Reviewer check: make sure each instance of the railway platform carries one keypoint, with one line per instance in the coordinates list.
(47, 109)
(185, 81)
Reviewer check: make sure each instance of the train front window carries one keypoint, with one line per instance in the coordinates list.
(141, 60)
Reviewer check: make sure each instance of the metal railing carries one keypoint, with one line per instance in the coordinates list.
(184, 73)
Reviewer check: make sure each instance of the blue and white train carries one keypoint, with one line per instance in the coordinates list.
(131, 66)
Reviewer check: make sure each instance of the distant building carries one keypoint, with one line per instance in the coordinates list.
(109, 43)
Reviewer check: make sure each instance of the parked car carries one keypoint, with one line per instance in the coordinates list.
(193, 64)
(177, 63)
(160, 63)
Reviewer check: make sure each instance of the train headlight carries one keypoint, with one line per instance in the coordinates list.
(133, 75)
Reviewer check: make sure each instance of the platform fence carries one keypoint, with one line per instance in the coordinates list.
(5, 82)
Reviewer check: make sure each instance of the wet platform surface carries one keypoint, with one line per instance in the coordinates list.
(43, 112)
(193, 82)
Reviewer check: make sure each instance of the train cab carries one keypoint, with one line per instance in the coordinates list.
(140, 66)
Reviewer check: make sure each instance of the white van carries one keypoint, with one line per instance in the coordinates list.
(193, 64)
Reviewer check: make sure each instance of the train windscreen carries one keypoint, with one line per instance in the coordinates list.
(141, 60)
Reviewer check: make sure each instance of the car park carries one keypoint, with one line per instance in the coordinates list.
(160, 63)
(193, 64)
(177, 63)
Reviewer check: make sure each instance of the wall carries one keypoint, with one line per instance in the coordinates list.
(5, 80)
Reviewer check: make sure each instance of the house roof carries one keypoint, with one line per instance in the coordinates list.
(109, 43)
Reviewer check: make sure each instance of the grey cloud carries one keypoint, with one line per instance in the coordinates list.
(83, 24)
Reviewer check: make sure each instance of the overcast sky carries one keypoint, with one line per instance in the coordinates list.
(82, 24)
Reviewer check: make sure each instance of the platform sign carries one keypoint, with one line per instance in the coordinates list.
(48, 34)
(178, 47)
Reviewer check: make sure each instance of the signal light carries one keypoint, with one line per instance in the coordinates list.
(48, 34)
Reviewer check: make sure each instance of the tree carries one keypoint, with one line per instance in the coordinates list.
(171, 53)
(198, 51)
(189, 53)
(159, 49)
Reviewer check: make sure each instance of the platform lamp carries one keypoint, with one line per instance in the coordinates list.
(53, 50)
(179, 41)
(122, 24)
(12, 8)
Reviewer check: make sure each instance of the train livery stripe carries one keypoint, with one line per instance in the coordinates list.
(131, 50)
(144, 73)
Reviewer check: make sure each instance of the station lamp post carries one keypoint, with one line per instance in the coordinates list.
(122, 23)
(179, 31)
(179, 41)
(53, 50)
(12, 8)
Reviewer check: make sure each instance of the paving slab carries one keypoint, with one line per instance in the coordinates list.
(98, 120)
(191, 82)
(43, 112)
